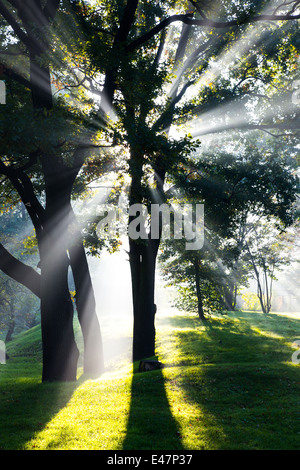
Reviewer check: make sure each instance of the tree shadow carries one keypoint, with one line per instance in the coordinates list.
(242, 381)
(27, 405)
(151, 425)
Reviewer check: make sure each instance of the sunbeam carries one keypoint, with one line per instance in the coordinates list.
(248, 112)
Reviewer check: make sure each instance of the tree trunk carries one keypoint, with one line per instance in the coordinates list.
(60, 353)
(260, 292)
(86, 309)
(40, 83)
(230, 295)
(198, 290)
(142, 263)
(12, 322)
(142, 258)
(11, 327)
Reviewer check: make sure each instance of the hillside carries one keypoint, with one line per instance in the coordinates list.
(227, 384)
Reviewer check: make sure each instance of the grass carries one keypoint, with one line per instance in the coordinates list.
(228, 383)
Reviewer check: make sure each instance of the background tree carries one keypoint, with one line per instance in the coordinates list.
(266, 252)
(18, 310)
(235, 185)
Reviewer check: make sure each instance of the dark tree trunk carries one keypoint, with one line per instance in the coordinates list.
(142, 258)
(60, 353)
(11, 327)
(264, 302)
(230, 296)
(142, 263)
(40, 84)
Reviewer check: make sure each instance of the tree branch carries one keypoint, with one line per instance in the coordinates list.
(27, 39)
(13, 23)
(16, 76)
(206, 22)
(19, 271)
(23, 186)
(121, 36)
(50, 9)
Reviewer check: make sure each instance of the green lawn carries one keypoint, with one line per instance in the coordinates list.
(227, 384)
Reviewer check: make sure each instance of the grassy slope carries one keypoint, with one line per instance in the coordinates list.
(227, 384)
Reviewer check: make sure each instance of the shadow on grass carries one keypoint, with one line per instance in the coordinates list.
(237, 372)
(27, 405)
(151, 425)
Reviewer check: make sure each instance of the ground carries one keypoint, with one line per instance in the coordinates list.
(228, 383)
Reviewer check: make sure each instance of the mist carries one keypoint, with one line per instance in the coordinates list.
(112, 286)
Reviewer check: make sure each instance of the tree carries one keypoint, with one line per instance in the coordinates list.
(148, 80)
(267, 252)
(40, 141)
(196, 276)
(18, 310)
(147, 69)
(135, 74)
(235, 184)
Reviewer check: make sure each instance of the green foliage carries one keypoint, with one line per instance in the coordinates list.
(18, 307)
(251, 302)
(83, 52)
(188, 302)
(237, 183)
(255, 173)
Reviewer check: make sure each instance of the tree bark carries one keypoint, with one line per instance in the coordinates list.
(40, 84)
(143, 254)
(142, 263)
(142, 258)
(9, 333)
(60, 353)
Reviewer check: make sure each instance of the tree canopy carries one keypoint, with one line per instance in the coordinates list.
(129, 88)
